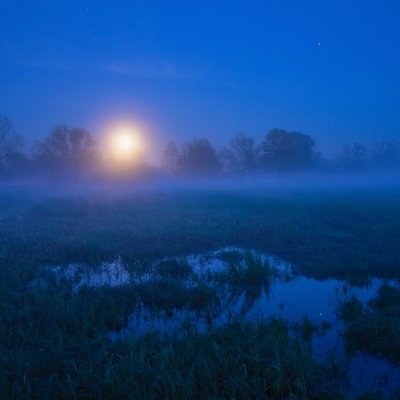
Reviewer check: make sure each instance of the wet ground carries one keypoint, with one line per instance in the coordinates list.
(228, 294)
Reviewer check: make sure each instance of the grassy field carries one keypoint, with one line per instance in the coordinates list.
(54, 343)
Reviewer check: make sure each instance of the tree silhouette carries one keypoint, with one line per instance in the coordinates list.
(352, 156)
(10, 142)
(66, 149)
(282, 150)
(242, 154)
(198, 157)
(386, 153)
(170, 157)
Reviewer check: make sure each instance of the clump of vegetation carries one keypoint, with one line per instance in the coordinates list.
(351, 309)
(175, 268)
(234, 256)
(170, 293)
(251, 270)
(305, 329)
(249, 276)
(376, 330)
(237, 361)
(388, 300)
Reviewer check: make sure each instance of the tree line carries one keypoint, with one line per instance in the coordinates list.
(278, 151)
(75, 151)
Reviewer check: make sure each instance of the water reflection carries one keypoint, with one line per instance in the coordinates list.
(112, 273)
(181, 295)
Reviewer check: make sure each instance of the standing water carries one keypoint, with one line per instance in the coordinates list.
(200, 292)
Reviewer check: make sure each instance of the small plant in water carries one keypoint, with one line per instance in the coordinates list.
(251, 269)
(375, 329)
(350, 309)
(175, 268)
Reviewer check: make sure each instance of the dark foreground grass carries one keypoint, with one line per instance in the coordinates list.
(239, 361)
(54, 342)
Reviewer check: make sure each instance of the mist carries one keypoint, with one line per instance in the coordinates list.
(199, 200)
(71, 161)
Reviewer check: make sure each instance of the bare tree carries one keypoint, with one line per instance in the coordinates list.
(170, 157)
(66, 149)
(54, 149)
(352, 156)
(386, 153)
(82, 147)
(242, 155)
(10, 142)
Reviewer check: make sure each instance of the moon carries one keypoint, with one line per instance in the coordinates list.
(125, 145)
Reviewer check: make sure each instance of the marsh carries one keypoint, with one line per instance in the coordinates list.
(157, 278)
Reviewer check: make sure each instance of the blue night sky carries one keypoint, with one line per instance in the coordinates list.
(203, 68)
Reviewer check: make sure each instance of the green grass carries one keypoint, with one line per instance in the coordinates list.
(169, 293)
(325, 235)
(174, 268)
(54, 342)
(250, 270)
(237, 362)
(248, 276)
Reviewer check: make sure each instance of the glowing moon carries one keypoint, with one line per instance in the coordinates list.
(125, 145)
